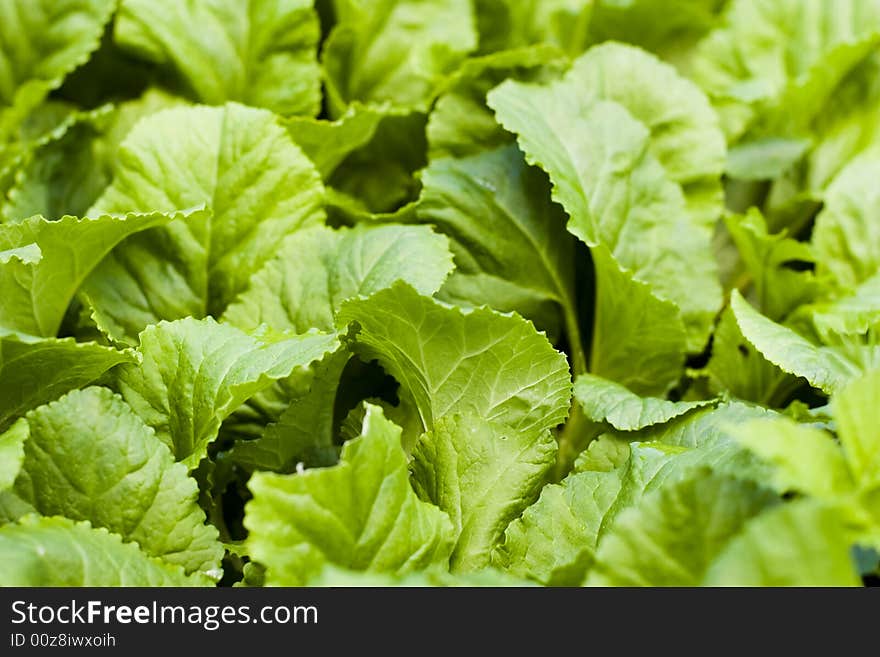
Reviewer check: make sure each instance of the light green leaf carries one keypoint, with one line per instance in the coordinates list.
(510, 247)
(258, 185)
(60, 552)
(89, 457)
(848, 127)
(318, 269)
(194, 373)
(797, 544)
(395, 50)
(604, 454)
(806, 459)
(672, 536)
(361, 514)
(37, 291)
(666, 27)
(259, 52)
(461, 124)
(737, 368)
(378, 180)
(506, 24)
(554, 541)
(705, 438)
(778, 289)
(824, 367)
(483, 475)
(855, 411)
(684, 133)
(34, 371)
(847, 231)
(304, 433)
(328, 143)
(765, 159)
(639, 340)
(341, 577)
(606, 401)
(855, 314)
(12, 452)
(609, 170)
(776, 63)
(450, 360)
(30, 65)
(65, 173)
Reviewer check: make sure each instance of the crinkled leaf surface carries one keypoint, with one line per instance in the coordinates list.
(318, 269)
(257, 184)
(61, 552)
(259, 52)
(450, 360)
(361, 514)
(672, 536)
(483, 475)
(395, 50)
(89, 457)
(34, 371)
(39, 283)
(606, 401)
(194, 373)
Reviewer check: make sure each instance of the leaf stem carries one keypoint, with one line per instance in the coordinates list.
(575, 342)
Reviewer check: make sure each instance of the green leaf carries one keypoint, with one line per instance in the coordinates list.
(705, 437)
(666, 27)
(510, 247)
(41, 41)
(194, 373)
(461, 124)
(824, 367)
(361, 514)
(380, 178)
(797, 544)
(65, 173)
(738, 369)
(341, 577)
(855, 408)
(774, 64)
(855, 314)
(61, 552)
(450, 360)
(848, 127)
(648, 193)
(806, 459)
(554, 541)
(765, 159)
(12, 453)
(259, 52)
(505, 24)
(684, 133)
(847, 235)
(328, 143)
(778, 289)
(318, 269)
(395, 50)
(606, 401)
(672, 536)
(639, 340)
(304, 433)
(89, 457)
(38, 288)
(258, 185)
(483, 475)
(34, 371)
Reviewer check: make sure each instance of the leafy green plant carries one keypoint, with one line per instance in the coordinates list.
(439, 292)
